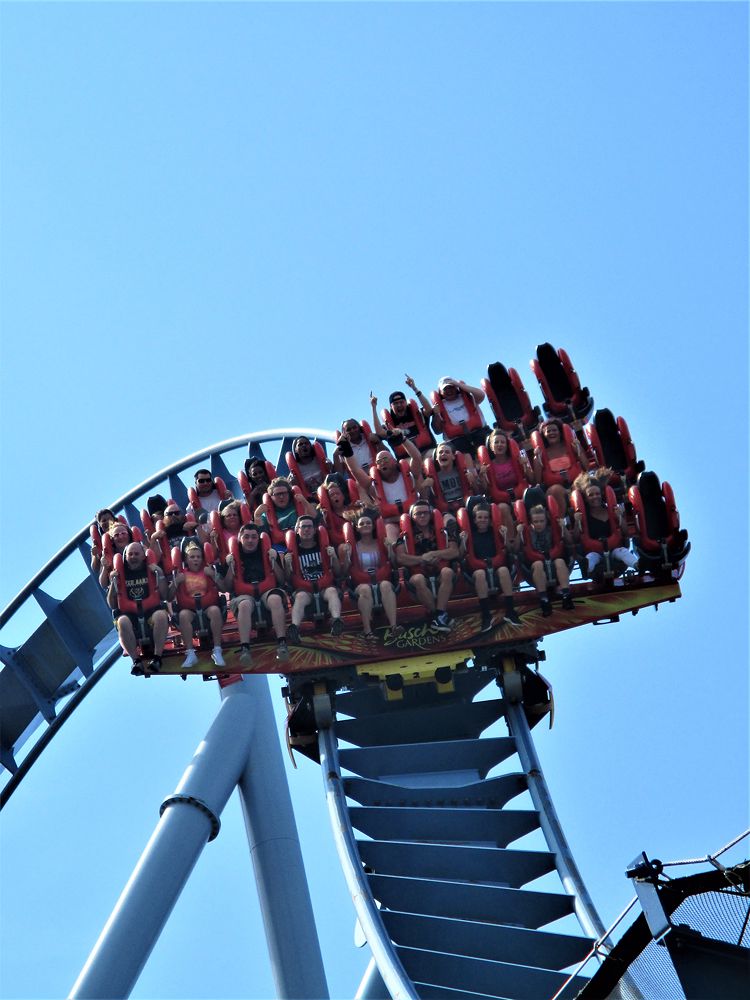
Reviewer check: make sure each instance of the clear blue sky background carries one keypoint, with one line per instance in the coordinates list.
(220, 218)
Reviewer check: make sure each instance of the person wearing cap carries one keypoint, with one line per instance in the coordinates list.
(410, 416)
(458, 416)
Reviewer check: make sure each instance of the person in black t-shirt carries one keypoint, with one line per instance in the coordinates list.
(253, 570)
(484, 544)
(310, 568)
(425, 561)
(141, 581)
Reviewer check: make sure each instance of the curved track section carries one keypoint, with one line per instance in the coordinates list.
(53, 667)
(442, 895)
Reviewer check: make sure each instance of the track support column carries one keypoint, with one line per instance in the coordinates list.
(284, 895)
(189, 819)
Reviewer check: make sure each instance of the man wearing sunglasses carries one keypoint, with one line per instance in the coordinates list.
(208, 495)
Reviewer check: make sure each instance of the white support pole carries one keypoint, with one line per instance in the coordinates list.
(284, 896)
(189, 819)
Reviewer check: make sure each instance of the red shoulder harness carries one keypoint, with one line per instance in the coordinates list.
(153, 597)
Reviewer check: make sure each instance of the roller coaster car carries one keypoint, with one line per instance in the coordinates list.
(219, 485)
(333, 521)
(196, 603)
(471, 560)
(612, 445)
(422, 439)
(246, 483)
(318, 455)
(601, 545)
(139, 608)
(560, 384)
(509, 401)
(516, 492)
(314, 587)
(661, 544)
(432, 469)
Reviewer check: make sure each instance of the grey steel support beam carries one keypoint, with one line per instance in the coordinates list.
(188, 821)
(291, 935)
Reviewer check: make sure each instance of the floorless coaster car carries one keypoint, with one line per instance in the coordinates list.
(509, 401)
(318, 650)
(661, 544)
(613, 447)
(559, 382)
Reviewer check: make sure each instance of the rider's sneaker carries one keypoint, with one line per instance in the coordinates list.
(218, 657)
(292, 634)
(191, 660)
(154, 665)
(245, 655)
(511, 616)
(441, 622)
(337, 626)
(282, 651)
(137, 670)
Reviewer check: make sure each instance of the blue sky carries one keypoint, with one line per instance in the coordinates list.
(223, 217)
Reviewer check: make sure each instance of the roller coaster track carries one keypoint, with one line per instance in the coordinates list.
(440, 892)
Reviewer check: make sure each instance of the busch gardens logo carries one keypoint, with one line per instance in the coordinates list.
(412, 637)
